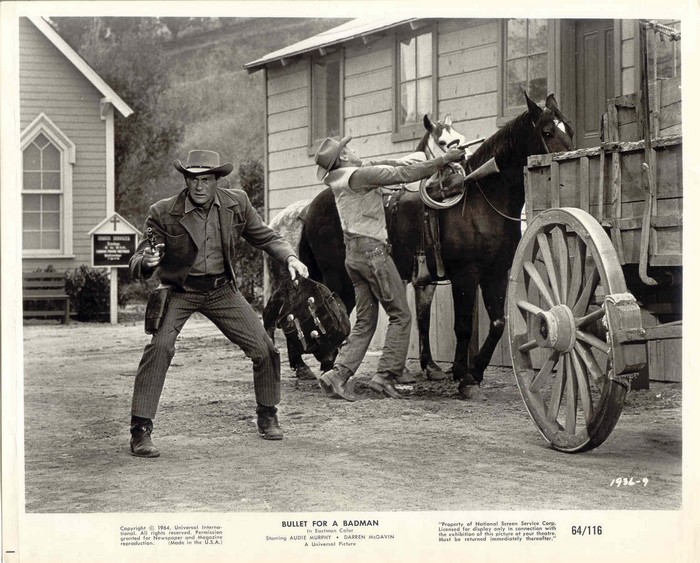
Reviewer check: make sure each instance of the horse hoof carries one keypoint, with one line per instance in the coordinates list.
(304, 373)
(435, 374)
(471, 393)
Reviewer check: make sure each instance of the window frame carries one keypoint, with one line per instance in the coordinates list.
(338, 55)
(66, 148)
(553, 68)
(410, 131)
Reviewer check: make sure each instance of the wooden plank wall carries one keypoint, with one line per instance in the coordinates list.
(291, 174)
(670, 117)
(629, 37)
(468, 75)
(49, 83)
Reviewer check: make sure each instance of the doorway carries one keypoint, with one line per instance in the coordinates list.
(594, 62)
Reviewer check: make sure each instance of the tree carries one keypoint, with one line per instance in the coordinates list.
(128, 54)
(249, 262)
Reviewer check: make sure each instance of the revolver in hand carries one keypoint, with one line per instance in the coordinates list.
(153, 253)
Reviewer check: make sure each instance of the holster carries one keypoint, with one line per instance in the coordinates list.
(156, 308)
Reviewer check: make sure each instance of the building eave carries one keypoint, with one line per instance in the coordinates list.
(108, 94)
(355, 29)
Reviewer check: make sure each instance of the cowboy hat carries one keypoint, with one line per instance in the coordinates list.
(327, 154)
(203, 162)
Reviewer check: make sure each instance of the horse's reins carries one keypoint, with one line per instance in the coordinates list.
(476, 182)
(481, 191)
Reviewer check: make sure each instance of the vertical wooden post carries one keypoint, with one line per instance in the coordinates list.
(554, 184)
(113, 305)
(616, 211)
(585, 189)
(601, 185)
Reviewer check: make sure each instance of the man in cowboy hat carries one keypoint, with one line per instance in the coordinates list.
(367, 260)
(196, 232)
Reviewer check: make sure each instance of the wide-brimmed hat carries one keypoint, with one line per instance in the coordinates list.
(203, 162)
(327, 154)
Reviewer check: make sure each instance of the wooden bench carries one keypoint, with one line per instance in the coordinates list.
(45, 287)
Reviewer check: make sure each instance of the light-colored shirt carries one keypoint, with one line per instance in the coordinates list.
(358, 200)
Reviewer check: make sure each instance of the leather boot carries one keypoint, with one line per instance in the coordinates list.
(383, 383)
(333, 383)
(268, 425)
(141, 444)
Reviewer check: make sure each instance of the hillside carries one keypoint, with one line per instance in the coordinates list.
(220, 105)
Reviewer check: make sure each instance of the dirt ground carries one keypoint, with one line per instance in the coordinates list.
(431, 452)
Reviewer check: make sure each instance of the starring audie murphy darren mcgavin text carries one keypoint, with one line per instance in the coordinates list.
(321, 532)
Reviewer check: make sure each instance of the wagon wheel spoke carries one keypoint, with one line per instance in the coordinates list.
(592, 365)
(557, 394)
(590, 318)
(528, 346)
(544, 373)
(571, 398)
(593, 341)
(529, 307)
(549, 265)
(579, 258)
(562, 253)
(586, 294)
(539, 282)
(583, 388)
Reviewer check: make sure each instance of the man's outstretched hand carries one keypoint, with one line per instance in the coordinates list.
(296, 266)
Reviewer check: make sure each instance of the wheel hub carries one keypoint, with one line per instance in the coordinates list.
(556, 329)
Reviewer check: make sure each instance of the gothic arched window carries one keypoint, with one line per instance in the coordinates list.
(47, 159)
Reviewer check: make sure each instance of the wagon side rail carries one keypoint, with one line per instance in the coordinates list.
(612, 183)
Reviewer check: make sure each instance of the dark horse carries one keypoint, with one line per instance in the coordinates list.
(478, 236)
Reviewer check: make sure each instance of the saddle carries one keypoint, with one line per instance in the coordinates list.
(429, 240)
(313, 316)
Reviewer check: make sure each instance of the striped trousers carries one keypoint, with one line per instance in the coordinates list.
(233, 315)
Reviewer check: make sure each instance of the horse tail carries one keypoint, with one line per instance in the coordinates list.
(306, 255)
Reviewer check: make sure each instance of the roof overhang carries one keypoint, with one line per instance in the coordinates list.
(356, 29)
(109, 95)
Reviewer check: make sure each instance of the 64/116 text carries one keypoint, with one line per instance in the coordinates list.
(624, 481)
(587, 530)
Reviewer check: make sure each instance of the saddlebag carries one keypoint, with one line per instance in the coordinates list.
(313, 316)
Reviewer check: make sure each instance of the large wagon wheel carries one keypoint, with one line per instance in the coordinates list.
(564, 267)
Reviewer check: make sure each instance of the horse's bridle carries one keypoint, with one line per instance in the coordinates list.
(481, 191)
(449, 145)
(558, 123)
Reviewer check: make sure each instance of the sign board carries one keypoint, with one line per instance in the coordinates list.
(113, 250)
(114, 242)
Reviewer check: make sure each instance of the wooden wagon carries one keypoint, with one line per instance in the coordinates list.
(597, 274)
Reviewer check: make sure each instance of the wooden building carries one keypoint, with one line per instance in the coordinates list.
(67, 143)
(374, 79)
